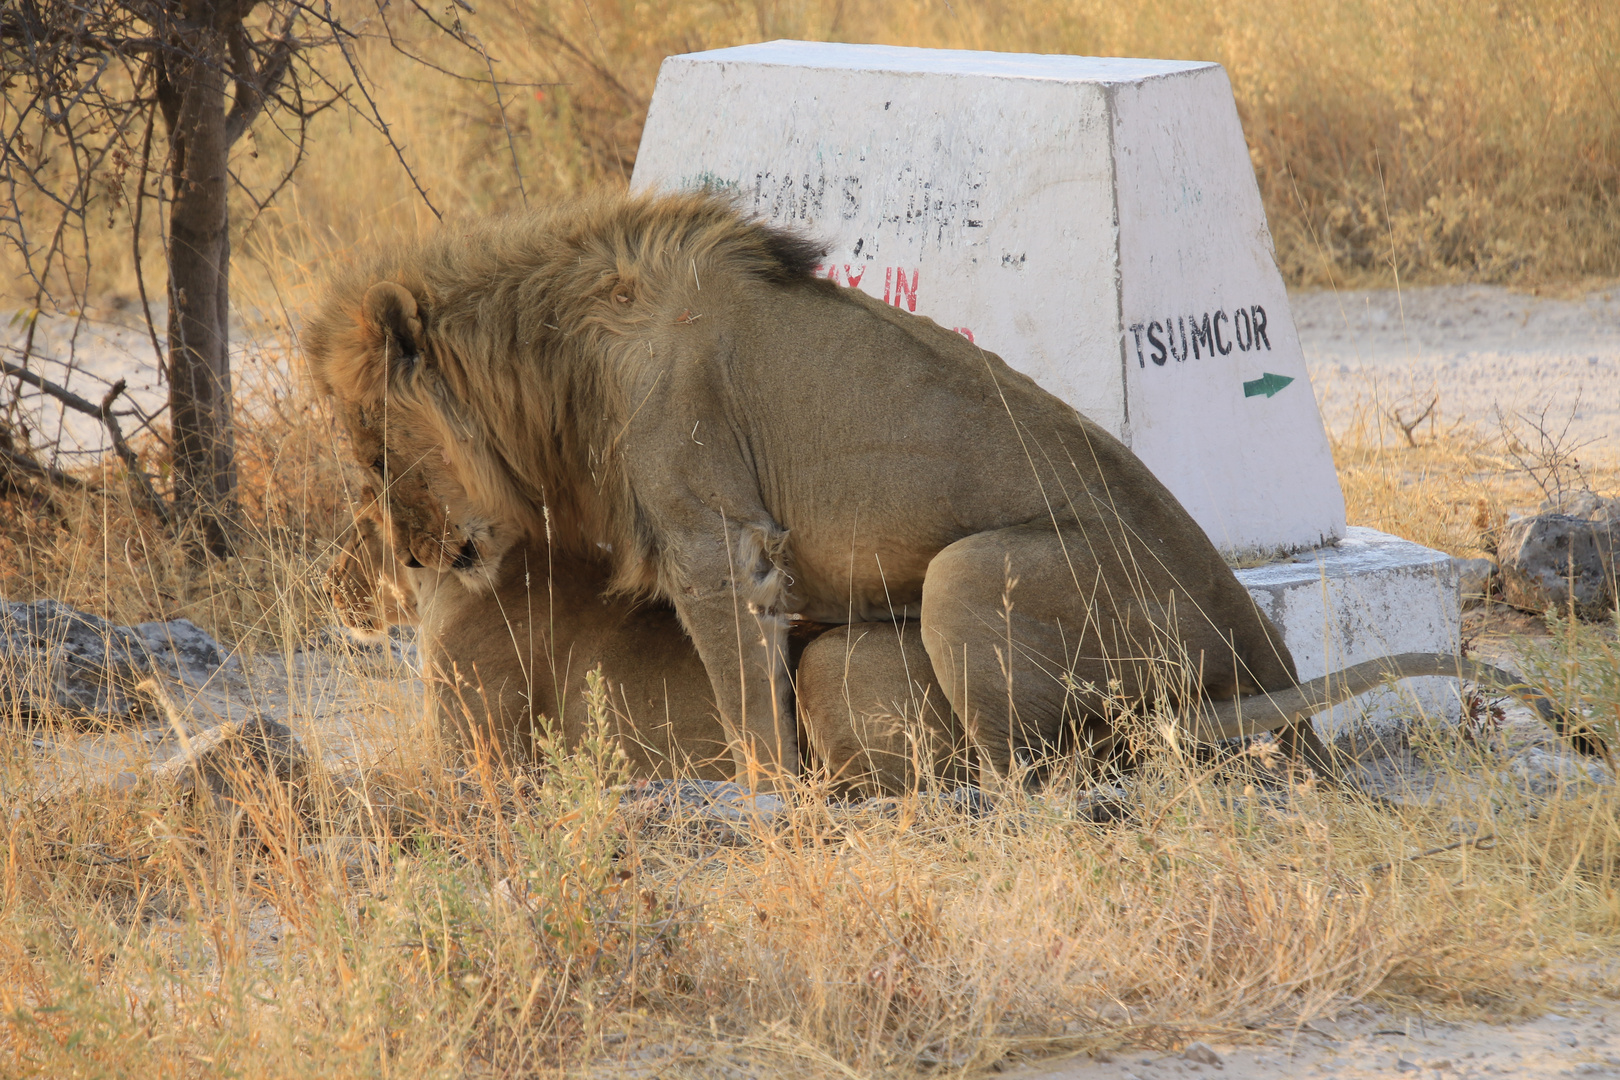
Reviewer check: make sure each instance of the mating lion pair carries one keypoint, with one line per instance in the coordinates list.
(662, 389)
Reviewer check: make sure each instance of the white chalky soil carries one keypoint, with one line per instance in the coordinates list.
(1583, 1040)
(1475, 346)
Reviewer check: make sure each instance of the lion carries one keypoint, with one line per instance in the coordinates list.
(865, 696)
(664, 383)
(874, 719)
(366, 583)
(495, 662)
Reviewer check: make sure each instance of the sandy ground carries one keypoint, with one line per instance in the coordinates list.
(1580, 1040)
(88, 355)
(1477, 348)
(348, 705)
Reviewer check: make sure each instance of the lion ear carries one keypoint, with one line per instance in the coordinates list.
(392, 313)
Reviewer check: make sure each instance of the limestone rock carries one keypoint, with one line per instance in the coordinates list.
(1548, 560)
(1586, 504)
(55, 659)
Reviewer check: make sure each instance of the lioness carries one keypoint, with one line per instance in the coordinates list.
(865, 694)
(494, 661)
(662, 382)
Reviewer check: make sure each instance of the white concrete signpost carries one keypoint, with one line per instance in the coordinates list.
(1096, 223)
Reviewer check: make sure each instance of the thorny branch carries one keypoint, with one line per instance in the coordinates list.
(103, 412)
(1548, 454)
(17, 460)
(1408, 426)
(88, 82)
(143, 483)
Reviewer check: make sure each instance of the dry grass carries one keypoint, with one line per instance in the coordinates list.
(1448, 140)
(1464, 476)
(138, 936)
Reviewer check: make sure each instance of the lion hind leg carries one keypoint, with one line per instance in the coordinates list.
(1009, 623)
(872, 713)
(1043, 635)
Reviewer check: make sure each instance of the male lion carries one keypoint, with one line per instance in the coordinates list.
(664, 384)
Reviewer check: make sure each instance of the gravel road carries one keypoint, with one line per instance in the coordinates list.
(1478, 347)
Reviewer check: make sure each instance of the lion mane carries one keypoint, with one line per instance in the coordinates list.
(541, 315)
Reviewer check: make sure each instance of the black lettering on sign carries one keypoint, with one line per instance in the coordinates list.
(1220, 347)
(852, 202)
(929, 207)
(1201, 333)
(1208, 337)
(1180, 357)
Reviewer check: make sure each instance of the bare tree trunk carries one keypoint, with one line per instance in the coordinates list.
(192, 92)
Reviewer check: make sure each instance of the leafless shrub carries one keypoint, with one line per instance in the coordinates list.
(1542, 449)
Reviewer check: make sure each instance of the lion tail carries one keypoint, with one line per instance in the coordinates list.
(1256, 713)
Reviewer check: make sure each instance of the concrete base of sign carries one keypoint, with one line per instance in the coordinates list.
(1370, 595)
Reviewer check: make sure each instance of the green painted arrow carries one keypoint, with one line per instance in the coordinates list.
(1267, 384)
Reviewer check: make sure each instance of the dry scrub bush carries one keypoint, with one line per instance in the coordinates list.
(1448, 141)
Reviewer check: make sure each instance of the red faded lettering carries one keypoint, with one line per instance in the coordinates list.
(848, 275)
(903, 291)
(964, 331)
(888, 283)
